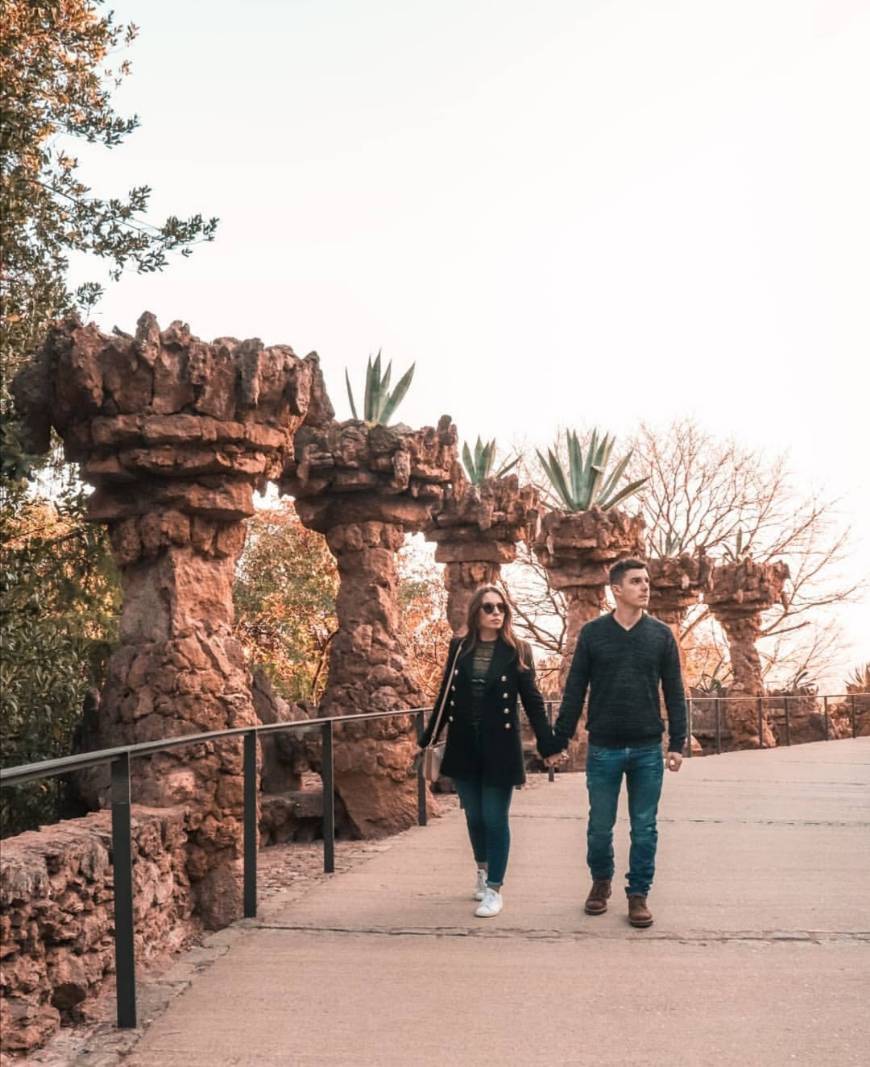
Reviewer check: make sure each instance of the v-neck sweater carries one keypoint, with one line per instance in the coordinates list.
(622, 669)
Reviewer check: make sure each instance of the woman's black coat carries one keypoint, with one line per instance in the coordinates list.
(498, 758)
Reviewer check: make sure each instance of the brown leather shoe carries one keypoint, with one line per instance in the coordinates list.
(596, 902)
(638, 913)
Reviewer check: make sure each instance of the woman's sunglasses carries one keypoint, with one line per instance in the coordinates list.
(490, 608)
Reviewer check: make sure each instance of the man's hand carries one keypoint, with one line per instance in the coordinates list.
(674, 761)
(555, 759)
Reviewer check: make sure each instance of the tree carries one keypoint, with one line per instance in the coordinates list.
(284, 596)
(59, 601)
(711, 494)
(56, 83)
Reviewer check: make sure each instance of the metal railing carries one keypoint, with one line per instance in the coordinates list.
(122, 849)
(767, 710)
(122, 852)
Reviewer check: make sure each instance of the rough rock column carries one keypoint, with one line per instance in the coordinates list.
(676, 584)
(365, 488)
(476, 531)
(578, 549)
(737, 593)
(175, 434)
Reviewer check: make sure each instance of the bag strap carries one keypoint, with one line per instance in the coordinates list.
(434, 736)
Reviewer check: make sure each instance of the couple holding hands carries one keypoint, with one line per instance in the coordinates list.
(622, 658)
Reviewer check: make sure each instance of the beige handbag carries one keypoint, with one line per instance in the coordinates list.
(433, 753)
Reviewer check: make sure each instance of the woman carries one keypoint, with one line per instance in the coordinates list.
(483, 754)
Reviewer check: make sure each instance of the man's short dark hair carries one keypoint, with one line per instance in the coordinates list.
(617, 571)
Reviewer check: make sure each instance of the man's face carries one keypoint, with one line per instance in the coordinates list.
(633, 590)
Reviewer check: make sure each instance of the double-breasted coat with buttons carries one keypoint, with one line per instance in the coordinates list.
(496, 755)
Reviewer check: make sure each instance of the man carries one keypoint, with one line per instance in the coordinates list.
(622, 657)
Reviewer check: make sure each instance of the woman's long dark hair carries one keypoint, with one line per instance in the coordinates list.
(472, 635)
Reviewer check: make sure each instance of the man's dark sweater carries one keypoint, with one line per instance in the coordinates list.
(622, 669)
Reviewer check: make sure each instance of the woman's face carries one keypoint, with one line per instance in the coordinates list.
(492, 612)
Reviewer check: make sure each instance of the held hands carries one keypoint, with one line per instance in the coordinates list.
(674, 761)
(555, 759)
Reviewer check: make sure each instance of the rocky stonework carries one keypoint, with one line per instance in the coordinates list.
(476, 531)
(56, 915)
(578, 549)
(737, 594)
(365, 488)
(175, 435)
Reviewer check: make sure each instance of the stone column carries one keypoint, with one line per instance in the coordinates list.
(175, 434)
(738, 593)
(477, 531)
(578, 549)
(365, 488)
(676, 584)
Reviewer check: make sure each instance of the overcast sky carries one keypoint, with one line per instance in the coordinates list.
(567, 212)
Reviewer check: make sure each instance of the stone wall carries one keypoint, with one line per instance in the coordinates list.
(56, 915)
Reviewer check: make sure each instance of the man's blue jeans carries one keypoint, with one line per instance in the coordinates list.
(643, 767)
(486, 813)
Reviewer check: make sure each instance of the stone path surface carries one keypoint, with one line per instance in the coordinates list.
(760, 952)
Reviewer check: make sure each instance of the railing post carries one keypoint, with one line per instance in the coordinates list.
(689, 727)
(852, 712)
(250, 820)
(122, 869)
(551, 770)
(328, 776)
(422, 818)
(760, 724)
(827, 720)
(787, 721)
(718, 727)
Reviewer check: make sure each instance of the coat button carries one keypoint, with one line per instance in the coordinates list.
(507, 725)
(505, 696)
(450, 718)
(507, 711)
(453, 688)
(452, 702)
(504, 677)
(456, 672)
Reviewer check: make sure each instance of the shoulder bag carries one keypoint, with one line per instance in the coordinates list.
(433, 753)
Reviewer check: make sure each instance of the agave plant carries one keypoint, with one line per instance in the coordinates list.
(859, 680)
(669, 544)
(478, 464)
(379, 404)
(586, 483)
(738, 551)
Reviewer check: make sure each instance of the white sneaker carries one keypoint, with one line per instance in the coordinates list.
(490, 905)
(480, 888)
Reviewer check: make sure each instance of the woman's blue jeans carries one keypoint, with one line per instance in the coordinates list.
(643, 767)
(486, 813)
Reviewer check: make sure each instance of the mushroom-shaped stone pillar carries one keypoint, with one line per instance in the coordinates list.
(175, 434)
(365, 487)
(476, 531)
(737, 593)
(578, 549)
(676, 584)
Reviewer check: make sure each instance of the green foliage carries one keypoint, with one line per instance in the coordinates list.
(284, 596)
(59, 601)
(478, 464)
(587, 484)
(56, 87)
(379, 404)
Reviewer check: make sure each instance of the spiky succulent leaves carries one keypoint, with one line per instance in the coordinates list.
(506, 467)
(623, 494)
(350, 394)
(373, 388)
(397, 396)
(556, 475)
(468, 463)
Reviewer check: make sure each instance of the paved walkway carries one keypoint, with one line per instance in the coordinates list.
(760, 953)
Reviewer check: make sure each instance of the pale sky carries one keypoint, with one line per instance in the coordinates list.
(567, 212)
